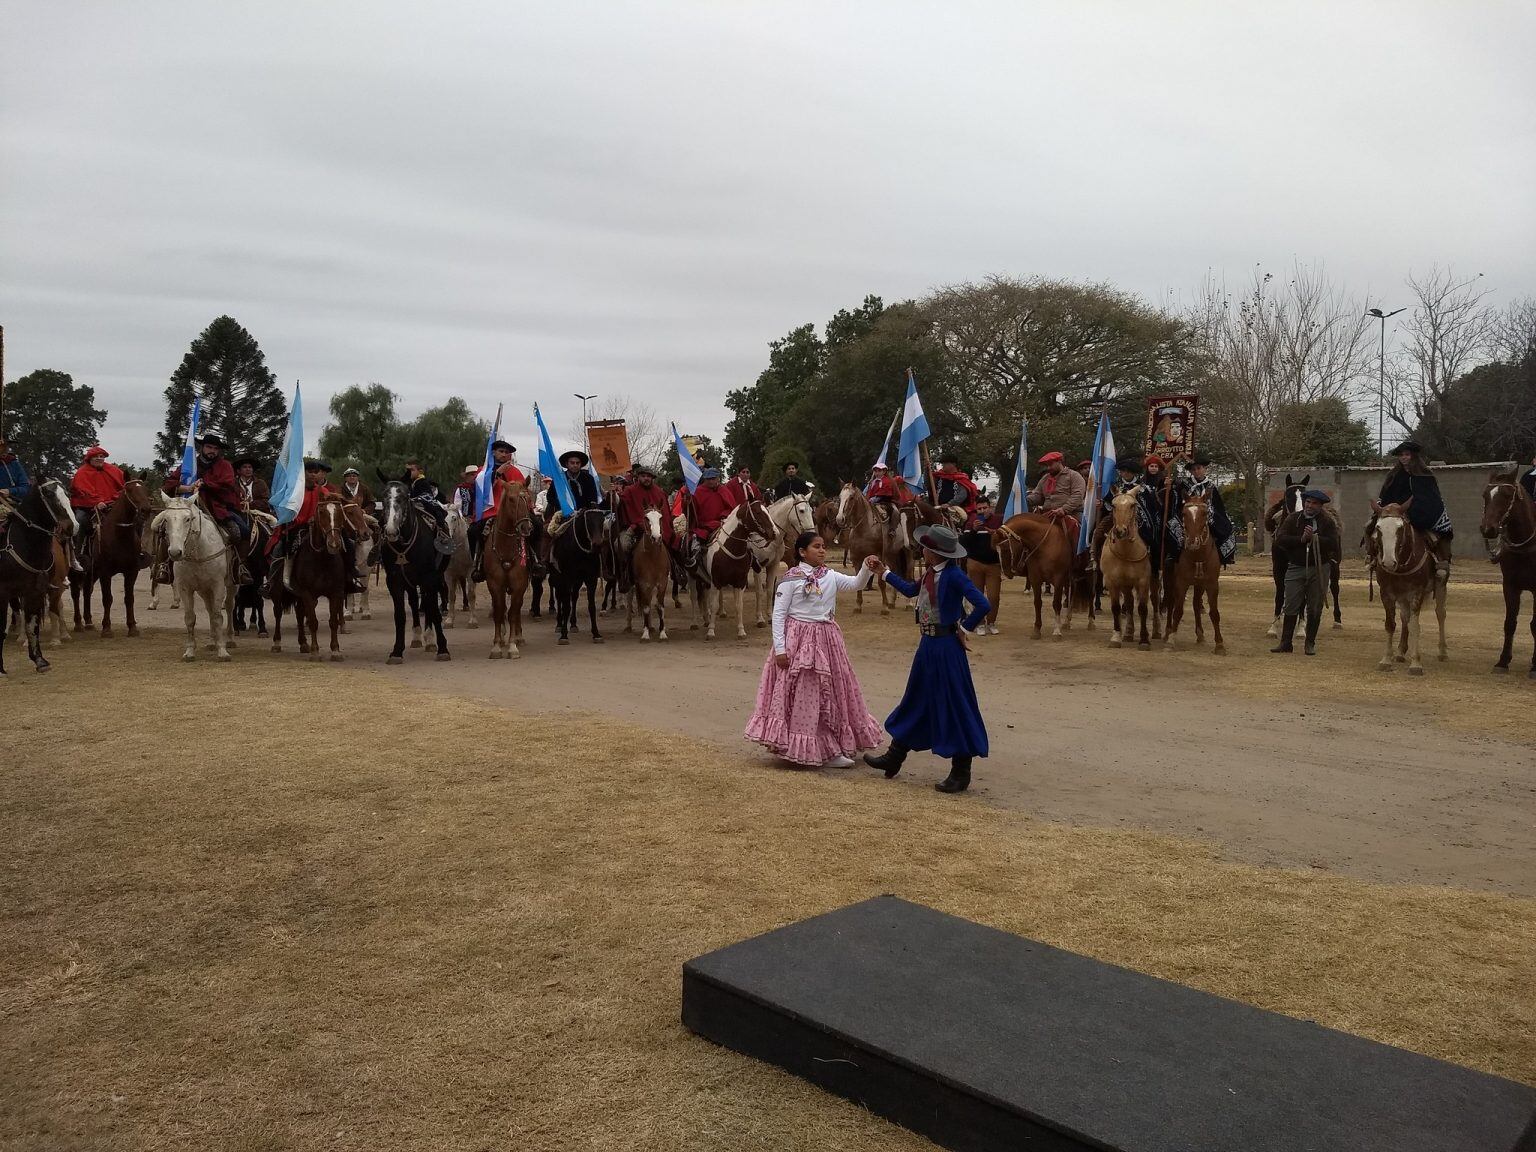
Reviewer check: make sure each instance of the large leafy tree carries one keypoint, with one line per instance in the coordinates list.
(241, 400)
(50, 421)
(362, 422)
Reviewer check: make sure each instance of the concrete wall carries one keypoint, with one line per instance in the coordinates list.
(1353, 489)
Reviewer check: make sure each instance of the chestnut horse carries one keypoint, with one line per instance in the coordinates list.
(650, 573)
(118, 552)
(1509, 524)
(1404, 565)
(1198, 568)
(741, 538)
(865, 533)
(1126, 563)
(1037, 546)
(506, 562)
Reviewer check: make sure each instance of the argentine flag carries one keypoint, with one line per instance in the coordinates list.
(485, 483)
(1101, 478)
(189, 450)
(288, 476)
(551, 466)
(1018, 498)
(914, 430)
(686, 462)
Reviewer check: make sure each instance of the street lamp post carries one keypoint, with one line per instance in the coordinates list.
(586, 438)
(1381, 377)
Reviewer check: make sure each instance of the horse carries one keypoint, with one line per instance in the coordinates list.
(458, 576)
(1198, 567)
(506, 565)
(791, 516)
(204, 567)
(147, 545)
(1037, 546)
(249, 597)
(743, 536)
(650, 567)
(412, 564)
(865, 533)
(1509, 524)
(315, 568)
(58, 581)
(1405, 570)
(1290, 501)
(118, 552)
(827, 527)
(576, 564)
(27, 560)
(1127, 566)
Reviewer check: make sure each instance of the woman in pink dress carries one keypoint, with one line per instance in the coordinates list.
(809, 706)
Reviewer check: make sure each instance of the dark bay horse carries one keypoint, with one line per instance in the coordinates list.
(577, 557)
(316, 569)
(508, 555)
(27, 562)
(118, 551)
(412, 565)
(1509, 525)
(1290, 501)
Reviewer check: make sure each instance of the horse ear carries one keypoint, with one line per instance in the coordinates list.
(1305, 480)
(1288, 480)
(1407, 503)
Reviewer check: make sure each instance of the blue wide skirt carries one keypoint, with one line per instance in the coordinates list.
(939, 710)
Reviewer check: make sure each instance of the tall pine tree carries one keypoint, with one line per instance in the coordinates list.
(241, 400)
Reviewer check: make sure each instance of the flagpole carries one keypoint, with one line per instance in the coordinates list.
(933, 490)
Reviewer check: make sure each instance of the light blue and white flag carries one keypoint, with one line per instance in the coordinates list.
(1101, 478)
(885, 449)
(189, 450)
(288, 476)
(596, 479)
(485, 483)
(550, 466)
(686, 462)
(914, 430)
(1018, 496)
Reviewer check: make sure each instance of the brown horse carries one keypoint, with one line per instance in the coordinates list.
(1509, 524)
(866, 533)
(1037, 546)
(316, 568)
(728, 559)
(826, 528)
(506, 568)
(1127, 566)
(1404, 566)
(650, 573)
(1198, 567)
(118, 552)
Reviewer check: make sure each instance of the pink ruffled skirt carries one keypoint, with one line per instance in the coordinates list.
(813, 710)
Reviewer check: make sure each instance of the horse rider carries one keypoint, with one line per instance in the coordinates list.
(791, 484)
(956, 489)
(464, 492)
(1309, 542)
(215, 483)
(423, 493)
(14, 482)
(504, 470)
(741, 486)
(634, 502)
(1127, 477)
(1059, 494)
(883, 488)
(1160, 507)
(712, 503)
(1084, 467)
(316, 488)
(1196, 482)
(255, 495)
(1528, 481)
(1411, 480)
(983, 565)
(92, 489)
(354, 491)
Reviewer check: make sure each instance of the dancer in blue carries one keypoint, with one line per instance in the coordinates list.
(939, 710)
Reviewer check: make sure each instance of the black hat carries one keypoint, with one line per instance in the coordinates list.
(313, 465)
(788, 464)
(949, 458)
(213, 438)
(1408, 446)
(244, 460)
(578, 455)
(1201, 460)
(495, 444)
(1129, 464)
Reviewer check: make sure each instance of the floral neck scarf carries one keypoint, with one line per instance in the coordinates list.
(812, 577)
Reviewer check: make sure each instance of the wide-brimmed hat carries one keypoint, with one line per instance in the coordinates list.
(213, 438)
(949, 458)
(1130, 464)
(576, 454)
(1317, 494)
(242, 461)
(1051, 457)
(1201, 460)
(942, 540)
(1408, 446)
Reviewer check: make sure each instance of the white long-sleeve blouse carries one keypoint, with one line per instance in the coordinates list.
(793, 602)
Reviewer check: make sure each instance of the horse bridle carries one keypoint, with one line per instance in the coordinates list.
(1014, 564)
(194, 510)
(1410, 536)
(1514, 499)
(10, 549)
(522, 529)
(752, 529)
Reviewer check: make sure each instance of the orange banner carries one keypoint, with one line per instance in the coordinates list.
(609, 441)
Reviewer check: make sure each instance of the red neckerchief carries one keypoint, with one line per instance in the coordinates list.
(1048, 484)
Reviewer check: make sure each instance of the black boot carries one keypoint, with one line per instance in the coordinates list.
(1287, 636)
(889, 761)
(1314, 621)
(959, 778)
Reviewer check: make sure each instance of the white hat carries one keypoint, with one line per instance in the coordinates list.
(468, 468)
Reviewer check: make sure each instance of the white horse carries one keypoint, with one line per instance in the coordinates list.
(201, 556)
(355, 606)
(459, 575)
(791, 515)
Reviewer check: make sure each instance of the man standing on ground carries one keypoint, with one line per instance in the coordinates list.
(1309, 541)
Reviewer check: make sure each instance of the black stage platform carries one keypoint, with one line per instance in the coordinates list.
(983, 1040)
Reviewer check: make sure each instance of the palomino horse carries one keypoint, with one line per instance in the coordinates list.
(578, 563)
(458, 576)
(1037, 546)
(866, 533)
(118, 552)
(1509, 522)
(1127, 566)
(650, 566)
(1290, 501)
(203, 568)
(743, 536)
(315, 568)
(1405, 569)
(506, 568)
(27, 561)
(1198, 567)
(413, 568)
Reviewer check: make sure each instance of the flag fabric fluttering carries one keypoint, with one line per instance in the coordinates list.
(686, 462)
(189, 449)
(1101, 479)
(550, 466)
(288, 476)
(914, 430)
(485, 483)
(1018, 498)
(885, 449)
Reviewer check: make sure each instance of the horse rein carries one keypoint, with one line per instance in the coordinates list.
(186, 559)
(1504, 521)
(1376, 560)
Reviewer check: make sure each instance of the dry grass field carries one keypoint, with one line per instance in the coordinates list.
(273, 905)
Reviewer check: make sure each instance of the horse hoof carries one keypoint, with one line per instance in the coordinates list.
(1384, 666)
(1090, 626)
(263, 634)
(663, 636)
(1115, 641)
(133, 633)
(514, 655)
(596, 639)
(472, 623)
(563, 640)
(1057, 636)
(188, 657)
(337, 657)
(645, 637)
(1338, 627)
(367, 616)
(415, 643)
(445, 655)
(1219, 650)
(1037, 634)
(395, 660)
(1144, 646)
(1501, 668)
(42, 665)
(1531, 675)
(277, 647)
(1416, 670)
(495, 654)
(447, 624)
(316, 658)
(1169, 646)
(225, 657)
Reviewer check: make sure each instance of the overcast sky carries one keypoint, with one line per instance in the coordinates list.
(519, 202)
